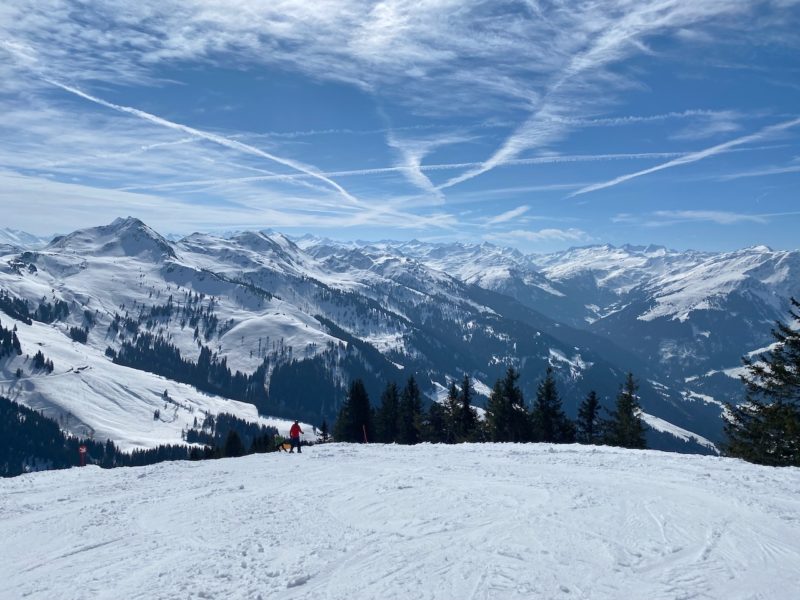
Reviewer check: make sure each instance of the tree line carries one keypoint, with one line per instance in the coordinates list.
(235, 436)
(9, 342)
(765, 429)
(153, 353)
(401, 418)
(29, 441)
(46, 312)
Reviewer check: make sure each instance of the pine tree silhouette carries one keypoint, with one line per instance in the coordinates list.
(387, 415)
(550, 424)
(410, 414)
(355, 415)
(766, 428)
(625, 427)
(589, 423)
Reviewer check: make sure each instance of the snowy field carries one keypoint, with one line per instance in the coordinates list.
(391, 522)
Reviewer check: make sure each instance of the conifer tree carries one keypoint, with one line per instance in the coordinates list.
(468, 416)
(497, 414)
(355, 416)
(387, 415)
(262, 444)
(435, 424)
(549, 422)
(410, 414)
(451, 411)
(233, 445)
(625, 427)
(766, 428)
(324, 430)
(589, 424)
(465, 419)
(506, 417)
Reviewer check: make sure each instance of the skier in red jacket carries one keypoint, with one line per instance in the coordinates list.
(294, 436)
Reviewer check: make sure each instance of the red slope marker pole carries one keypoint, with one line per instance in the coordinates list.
(364, 429)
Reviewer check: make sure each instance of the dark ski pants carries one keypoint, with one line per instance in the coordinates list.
(295, 444)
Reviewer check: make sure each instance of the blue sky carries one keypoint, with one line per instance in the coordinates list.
(535, 124)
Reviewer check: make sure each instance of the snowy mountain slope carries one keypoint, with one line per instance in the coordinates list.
(93, 273)
(90, 396)
(127, 237)
(587, 360)
(766, 275)
(305, 317)
(445, 328)
(655, 396)
(691, 315)
(706, 317)
(21, 239)
(255, 328)
(407, 300)
(391, 522)
(686, 313)
(613, 278)
(660, 424)
(498, 269)
(617, 269)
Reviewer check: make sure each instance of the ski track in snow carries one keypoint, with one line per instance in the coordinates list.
(390, 522)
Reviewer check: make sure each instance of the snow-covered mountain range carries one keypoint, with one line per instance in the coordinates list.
(254, 322)
(14, 239)
(690, 315)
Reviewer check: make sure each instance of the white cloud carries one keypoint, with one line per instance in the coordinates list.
(716, 125)
(43, 206)
(714, 216)
(551, 69)
(764, 172)
(549, 235)
(435, 56)
(605, 33)
(414, 150)
(693, 156)
(508, 215)
(217, 139)
(665, 218)
(402, 168)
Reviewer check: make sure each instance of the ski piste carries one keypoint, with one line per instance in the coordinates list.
(516, 521)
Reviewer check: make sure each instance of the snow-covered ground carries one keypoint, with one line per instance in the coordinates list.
(678, 432)
(90, 396)
(391, 522)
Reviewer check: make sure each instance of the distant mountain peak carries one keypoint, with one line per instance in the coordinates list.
(125, 222)
(16, 238)
(127, 236)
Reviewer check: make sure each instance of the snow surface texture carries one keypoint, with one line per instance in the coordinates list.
(389, 522)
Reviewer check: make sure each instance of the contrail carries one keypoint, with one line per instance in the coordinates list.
(691, 157)
(538, 160)
(610, 43)
(217, 139)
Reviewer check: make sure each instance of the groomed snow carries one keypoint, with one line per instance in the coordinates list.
(390, 522)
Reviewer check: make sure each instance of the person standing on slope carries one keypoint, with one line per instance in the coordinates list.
(294, 436)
